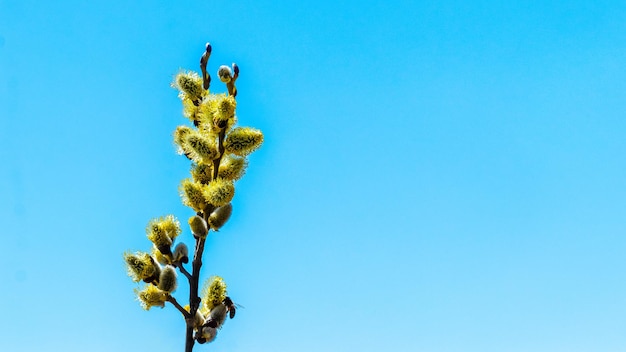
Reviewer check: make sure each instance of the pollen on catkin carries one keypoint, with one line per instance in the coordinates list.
(192, 194)
(190, 110)
(198, 226)
(171, 225)
(243, 141)
(140, 265)
(158, 235)
(220, 216)
(207, 109)
(226, 105)
(203, 149)
(167, 279)
(151, 296)
(232, 167)
(202, 173)
(214, 292)
(189, 84)
(219, 192)
(180, 139)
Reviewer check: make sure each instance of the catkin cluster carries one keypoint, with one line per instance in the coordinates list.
(218, 152)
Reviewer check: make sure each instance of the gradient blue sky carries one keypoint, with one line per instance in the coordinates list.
(442, 176)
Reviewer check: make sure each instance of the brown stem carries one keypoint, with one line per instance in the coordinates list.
(189, 341)
(216, 162)
(196, 264)
(183, 270)
(174, 302)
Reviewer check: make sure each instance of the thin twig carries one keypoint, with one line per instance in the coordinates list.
(174, 302)
(216, 162)
(194, 299)
(183, 270)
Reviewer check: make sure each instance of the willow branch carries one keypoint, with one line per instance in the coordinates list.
(175, 303)
(196, 264)
(183, 270)
(216, 162)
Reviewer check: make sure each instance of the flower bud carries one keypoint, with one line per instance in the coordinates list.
(219, 192)
(198, 226)
(204, 60)
(181, 253)
(207, 334)
(220, 216)
(243, 141)
(225, 74)
(198, 320)
(167, 279)
(217, 316)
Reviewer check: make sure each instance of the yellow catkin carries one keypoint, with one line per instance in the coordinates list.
(160, 257)
(189, 84)
(180, 139)
(232, 167)
(158, 235)
(214, 292)
(151, 296)
(243, 141)
(192, 195)
(202, 173)
(219, 192)
(203, 149)
(171, 225)
(225, 112)
(140, 266)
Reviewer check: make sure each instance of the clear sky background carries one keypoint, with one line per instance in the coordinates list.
(437, 176)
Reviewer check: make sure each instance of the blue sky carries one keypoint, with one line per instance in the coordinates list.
(436, 176)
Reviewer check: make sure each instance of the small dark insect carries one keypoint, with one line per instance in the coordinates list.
(231, 306)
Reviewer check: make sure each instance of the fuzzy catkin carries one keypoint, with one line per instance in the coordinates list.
(219, 192)
(243, 141)
(220, 216)
(192, 194)
(167, 279)
(198, 226)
